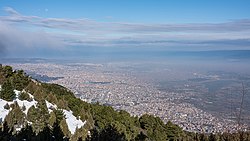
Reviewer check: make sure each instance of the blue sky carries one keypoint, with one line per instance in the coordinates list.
(143, 11)
(63, 26)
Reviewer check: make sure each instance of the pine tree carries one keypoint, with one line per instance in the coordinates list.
(57, 132)
(62, 104)
(23, 107)
(7, 92)
(64, 128)
(52, 118)
(20, 80)
(15, 116)
(52, 98)
(8, 71)
(24, 96)
(7, 106)
(59, 115)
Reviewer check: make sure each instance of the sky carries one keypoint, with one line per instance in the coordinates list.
(45, 28)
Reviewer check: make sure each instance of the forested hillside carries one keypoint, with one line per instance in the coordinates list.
(31, 110)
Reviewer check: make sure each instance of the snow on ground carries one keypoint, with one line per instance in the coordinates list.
(50, 106)
(72, 122)
(27, 104)
(3, 112)
(19, 92)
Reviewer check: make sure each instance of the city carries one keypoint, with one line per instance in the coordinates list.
(123, 91)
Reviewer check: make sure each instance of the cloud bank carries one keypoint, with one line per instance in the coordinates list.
(14, 41)
(33, 33)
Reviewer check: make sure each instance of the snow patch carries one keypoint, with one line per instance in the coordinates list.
(17, 93)
(73, 122)
(27, 104)
(3, 112)
(50, 106)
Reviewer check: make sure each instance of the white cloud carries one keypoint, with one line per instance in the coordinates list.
(55, 32)
(14, 40)
(11, 11)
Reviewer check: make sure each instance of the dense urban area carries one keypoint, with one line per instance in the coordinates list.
(123, 90)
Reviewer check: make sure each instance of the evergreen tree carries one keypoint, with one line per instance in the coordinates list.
(64, 128)
(6, 132)
(7, 106)
(43, 111)
(37, 117)
(62, 104)
(20, 80)
(26, 134)
(52, 118)
(7, 92)
(7, 71)
(1, 74)
(59, 115)
(112, 133)
(23, 107)
(52, 98)
(57, 132)
(24, 96)
(15, 117)
(80, 134)
(45, 135)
